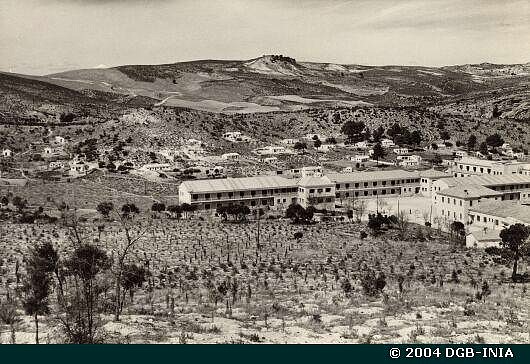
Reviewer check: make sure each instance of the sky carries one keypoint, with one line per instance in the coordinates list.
(47, 36)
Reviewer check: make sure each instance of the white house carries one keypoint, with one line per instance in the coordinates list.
(387, 143)
(270, 160)
(57, 165)
(326, 148)
(53, 150)
(483, 239)
(361, 145)
(271, 150)
(230, 156)
(289, 141)
(401, 150)
(156, 167)
(59, 140)
(313, 136)
(412, 160)
(6, 153)
(460, 153)
(236, 136)
(360, 158)
(311, 171)
(78, 168)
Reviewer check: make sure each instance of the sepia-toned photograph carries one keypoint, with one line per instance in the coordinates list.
(265, 171)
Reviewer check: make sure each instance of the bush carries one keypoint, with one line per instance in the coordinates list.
(373, 283)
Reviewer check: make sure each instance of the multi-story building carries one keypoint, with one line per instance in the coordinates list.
(453, 197)
(313, 188)
(470, 166)
(428, 177)
(272, 191)
(317, 191)
(376, 183)
(497, 215)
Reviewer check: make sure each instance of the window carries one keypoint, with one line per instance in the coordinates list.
(328, 189)
(347, 194)
(242, 194)
(206, 195)
(374, 192)
(253, 193)
(319, 190)
(252, 203)
(207, 206)
(195, 197)
(365, 184)
(312, 190)
(356, 185)
(337, 186)
(366, 193)
(230, 194)
(264, 192)
(357, 194)
(384, 192)
(328, 199)
(347, 185)
(374, 184)
(219, 195)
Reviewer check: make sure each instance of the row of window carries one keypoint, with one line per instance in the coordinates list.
(251, 193)
(392, 191)
(481, 169)
(318, 190)
(252, 203)
(376, 183)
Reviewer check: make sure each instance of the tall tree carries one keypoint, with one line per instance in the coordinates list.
(494, 140)
(471, 142)
(353, 130)
(515, 241)
(379, 152)
(40, 266)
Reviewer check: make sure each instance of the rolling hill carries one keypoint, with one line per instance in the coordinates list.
(272, 95)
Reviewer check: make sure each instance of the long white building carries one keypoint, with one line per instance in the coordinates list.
(276, 192)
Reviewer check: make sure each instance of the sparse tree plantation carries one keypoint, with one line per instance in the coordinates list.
(148, 277)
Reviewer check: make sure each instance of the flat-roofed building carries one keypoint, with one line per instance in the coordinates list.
(376, 183)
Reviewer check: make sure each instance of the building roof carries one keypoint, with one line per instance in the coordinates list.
(433, 173)
(231, 184)
(313, 181)
(372, 176)
(487, 180)
(469, 191)
(504, 209)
